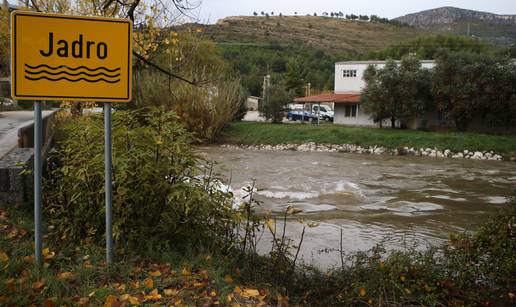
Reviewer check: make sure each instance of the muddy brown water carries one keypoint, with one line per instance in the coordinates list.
(398, 201)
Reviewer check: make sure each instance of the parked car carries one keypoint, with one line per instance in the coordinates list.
(294, 115)
(325, 112)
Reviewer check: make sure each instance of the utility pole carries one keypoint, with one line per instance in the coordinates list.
(265, 89)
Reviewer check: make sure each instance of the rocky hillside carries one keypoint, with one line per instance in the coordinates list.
(497, 29)
(336, 36)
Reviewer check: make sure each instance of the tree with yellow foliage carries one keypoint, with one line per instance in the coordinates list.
(4, 40)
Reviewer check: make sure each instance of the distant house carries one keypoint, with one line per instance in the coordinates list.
(253, 103)
(349, 84)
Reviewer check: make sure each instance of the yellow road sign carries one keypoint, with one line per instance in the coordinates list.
(59, 57)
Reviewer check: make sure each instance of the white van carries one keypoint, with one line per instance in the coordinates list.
(325, 113)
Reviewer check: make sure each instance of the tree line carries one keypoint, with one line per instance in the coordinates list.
(340, 14)
(463, 86)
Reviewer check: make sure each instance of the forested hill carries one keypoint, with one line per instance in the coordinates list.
(336, 36)
(493, 28)
(299, 50)
(296, 50)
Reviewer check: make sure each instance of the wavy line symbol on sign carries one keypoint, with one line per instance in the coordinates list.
(72, 74)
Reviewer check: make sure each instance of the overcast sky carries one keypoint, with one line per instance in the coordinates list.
(212, 10)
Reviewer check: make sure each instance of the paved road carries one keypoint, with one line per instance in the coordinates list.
(10, 122)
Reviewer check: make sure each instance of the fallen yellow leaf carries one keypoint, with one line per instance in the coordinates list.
(149, 283)
(47, 254)
(228, 279)
(155, 273)
(3, 257)
(124, 297)
(185, 272)
(13, 233)
(65, 276)
(250, 293)
(362, 291)
(198, 284)
(153, 295)
(135, 284)
(38, 285)
(170, 292)
(48, 303)
(84, 301)
(87, 265)
(110, 300)
(28, 258)
(134, 300)
(213, 293)
(121, 287)
(282, 300)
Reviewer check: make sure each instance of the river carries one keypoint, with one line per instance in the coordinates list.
(399, 201)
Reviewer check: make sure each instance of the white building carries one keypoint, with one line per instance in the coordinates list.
(253, 103)
(349, 84)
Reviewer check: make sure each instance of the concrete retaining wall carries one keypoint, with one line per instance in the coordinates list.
(15, 184)
(26, 133)
(16, 179)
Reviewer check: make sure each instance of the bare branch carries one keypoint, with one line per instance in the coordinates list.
(298, 249)
(166, 72)
(130, 12)
(33, 2)
(106, 5)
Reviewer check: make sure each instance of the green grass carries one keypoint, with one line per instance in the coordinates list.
(248, 133)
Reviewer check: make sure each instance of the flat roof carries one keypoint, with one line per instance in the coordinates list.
(378, 62)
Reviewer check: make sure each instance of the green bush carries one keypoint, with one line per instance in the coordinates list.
(275, 102)
(216, 99)
(159, 199)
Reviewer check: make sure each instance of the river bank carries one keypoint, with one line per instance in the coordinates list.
(333, 138)
(377, 150)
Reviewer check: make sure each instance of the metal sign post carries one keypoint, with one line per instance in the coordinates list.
(107, 181)
(38, 167)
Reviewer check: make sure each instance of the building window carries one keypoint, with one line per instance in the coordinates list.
(349, 73)
(351, 111)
